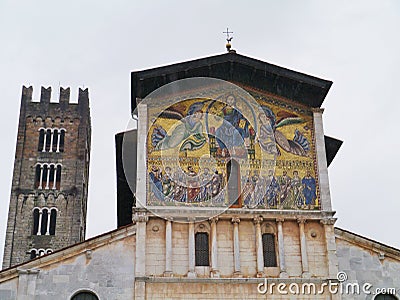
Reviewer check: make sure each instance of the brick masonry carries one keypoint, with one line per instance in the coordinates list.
(71, 198)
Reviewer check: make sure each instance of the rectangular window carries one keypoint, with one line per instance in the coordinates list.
(268, 240)
(201, 249)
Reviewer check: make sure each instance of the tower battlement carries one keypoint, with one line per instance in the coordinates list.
(62, 108)
(64, 96)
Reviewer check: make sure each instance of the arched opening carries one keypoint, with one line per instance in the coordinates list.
(41, 140)
(51, 178)
(233, 179)
(37, 176)
(58, 177)
(32, 254)
(202, 255)
(48, 140)
(44, 177)
(85, 296)
(268, 241)
(43, 225)
(53, 219)
(55, 140)
(61, 142)
(35, 221)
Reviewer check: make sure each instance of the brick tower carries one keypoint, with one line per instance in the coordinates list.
(48, 199)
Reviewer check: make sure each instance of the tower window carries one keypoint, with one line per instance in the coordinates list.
(51, 140)
(33, 253)
(202, 249)
(268, 241)
(48, 176)
(44, 221)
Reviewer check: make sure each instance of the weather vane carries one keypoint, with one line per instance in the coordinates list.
(228, 39)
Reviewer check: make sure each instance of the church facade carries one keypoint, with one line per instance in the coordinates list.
(223, 193)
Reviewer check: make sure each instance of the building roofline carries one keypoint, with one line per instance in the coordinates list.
(66, 252)
(366, 242)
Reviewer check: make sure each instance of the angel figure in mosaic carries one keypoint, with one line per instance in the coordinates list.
(189, 130)
(270, 135)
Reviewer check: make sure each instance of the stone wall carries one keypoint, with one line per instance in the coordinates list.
(367, 262)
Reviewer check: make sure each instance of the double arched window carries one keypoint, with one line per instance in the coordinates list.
(51, 140)
(48, 176)
(44, 221)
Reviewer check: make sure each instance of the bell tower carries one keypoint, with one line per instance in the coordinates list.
(48, 201)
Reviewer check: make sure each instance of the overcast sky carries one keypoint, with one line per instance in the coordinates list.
(96, 44)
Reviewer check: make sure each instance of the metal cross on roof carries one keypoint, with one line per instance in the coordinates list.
(228, 38)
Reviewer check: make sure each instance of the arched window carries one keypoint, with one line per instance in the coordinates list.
(48, 140)
(233, 179)
(48, 176)
(33, 253)
(61, 141)
(43, 228)
(35, 221)
(85, 296)
(55, 140)
(268, 241)
(44, 221)
(202, 249)
(385, 297)
(51, 140)
(58, 178)
(53, 218)
(41, 140)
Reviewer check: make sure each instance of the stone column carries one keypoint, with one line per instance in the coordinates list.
(332, 259)
(39, 232)
(192, 262)
(322, 165)
(259, 247)
(168, 248)
(51, 141)
(281, 249)
(214, 248)
(303, 248)
(41, 178)
(236, 247)
(44, 141)
(140, 219)
(58, 141)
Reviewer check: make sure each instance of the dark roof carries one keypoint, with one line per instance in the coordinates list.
(332, 147)
(299, 87)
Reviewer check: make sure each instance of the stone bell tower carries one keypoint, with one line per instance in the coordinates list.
(48, 201)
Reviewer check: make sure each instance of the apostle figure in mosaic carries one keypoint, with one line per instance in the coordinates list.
(272, 192)
(155, 182)
(284, 187)
(193, 186)
(206, 185)
(167, 183)
(309, 189)
(295, 197)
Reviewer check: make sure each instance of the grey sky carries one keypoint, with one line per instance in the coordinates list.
(97, 43)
